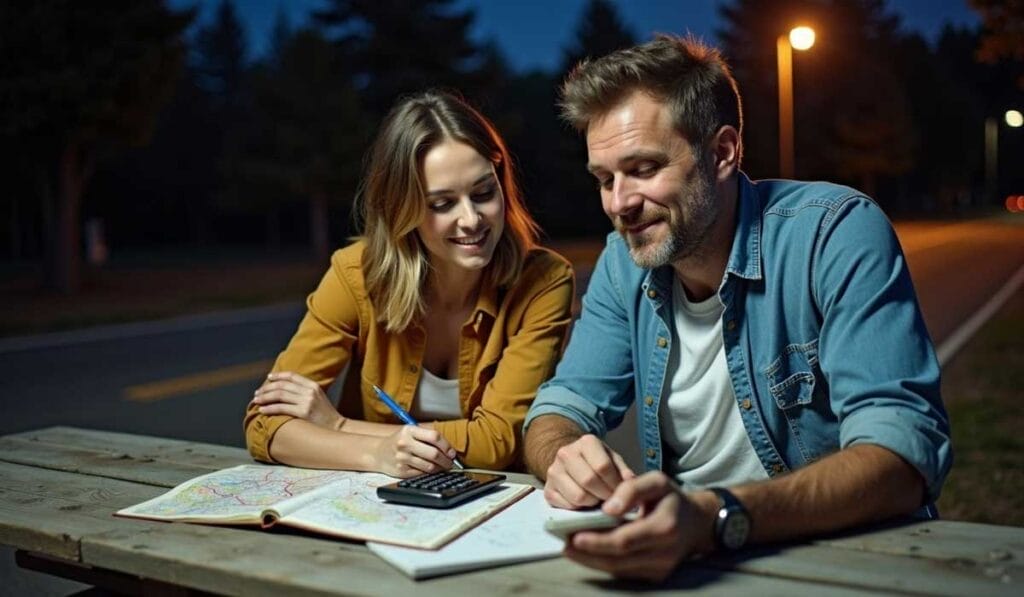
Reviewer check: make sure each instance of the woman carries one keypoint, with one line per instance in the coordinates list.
(445, 302)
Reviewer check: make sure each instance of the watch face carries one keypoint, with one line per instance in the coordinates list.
(735, 529)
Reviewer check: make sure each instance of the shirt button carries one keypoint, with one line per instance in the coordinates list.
(776, 468)
(662, 343)
(413, 368)
(652, 293)
(650, 452)
(731, 325)
(746, 404)
(648, 401)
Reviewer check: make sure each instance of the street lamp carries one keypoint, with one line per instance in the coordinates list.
(799, 38)
(1013, 119)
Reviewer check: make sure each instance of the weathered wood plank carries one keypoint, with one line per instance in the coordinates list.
(210, 456)
(110, 464)
(983, 544)
(49, 511)
(250, 562)
(879, 571)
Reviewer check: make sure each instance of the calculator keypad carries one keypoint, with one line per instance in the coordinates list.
(446, 482)
(440, 490)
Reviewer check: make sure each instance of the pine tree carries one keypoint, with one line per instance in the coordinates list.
(85, 75)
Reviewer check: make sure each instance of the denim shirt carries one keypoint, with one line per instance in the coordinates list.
(823, 337)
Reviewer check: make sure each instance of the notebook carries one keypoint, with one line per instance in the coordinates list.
(514, 535)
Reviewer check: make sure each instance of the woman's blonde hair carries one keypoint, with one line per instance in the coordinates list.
(391, 202)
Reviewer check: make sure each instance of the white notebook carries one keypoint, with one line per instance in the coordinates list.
(516, 534)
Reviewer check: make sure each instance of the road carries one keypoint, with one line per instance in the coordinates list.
(191, 378)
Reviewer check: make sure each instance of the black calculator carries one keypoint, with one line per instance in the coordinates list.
(439, 490)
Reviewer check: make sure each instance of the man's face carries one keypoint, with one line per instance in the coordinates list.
(658, 192)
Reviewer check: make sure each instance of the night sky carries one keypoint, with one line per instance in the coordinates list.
(532, 33)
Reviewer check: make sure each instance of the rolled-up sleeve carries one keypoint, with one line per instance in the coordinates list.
(319, 350)
(874, 348)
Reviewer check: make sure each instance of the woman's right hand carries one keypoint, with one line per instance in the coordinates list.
(412, 451)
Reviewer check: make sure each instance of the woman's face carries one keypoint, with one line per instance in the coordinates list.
(465, 213)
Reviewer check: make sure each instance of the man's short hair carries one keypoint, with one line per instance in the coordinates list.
(688, 75)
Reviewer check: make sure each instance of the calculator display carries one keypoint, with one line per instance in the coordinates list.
(440, 490)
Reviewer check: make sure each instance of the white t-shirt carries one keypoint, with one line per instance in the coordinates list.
(436, 399)
(700, 422)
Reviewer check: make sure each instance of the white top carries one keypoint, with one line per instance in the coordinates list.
(700, 421)
(436, 399)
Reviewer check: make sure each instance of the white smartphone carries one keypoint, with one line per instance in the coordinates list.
(563, 528)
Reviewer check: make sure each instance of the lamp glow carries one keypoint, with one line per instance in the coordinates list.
(1014, 118)
(801, 38)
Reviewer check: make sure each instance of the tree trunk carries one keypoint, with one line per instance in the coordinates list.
(64, 270)
(318, 228)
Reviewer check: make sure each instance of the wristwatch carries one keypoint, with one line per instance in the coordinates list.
(732, 523)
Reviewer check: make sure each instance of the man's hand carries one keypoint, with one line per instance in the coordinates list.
(672, 526)
(287, 393)
(412, 451)
(584, 473)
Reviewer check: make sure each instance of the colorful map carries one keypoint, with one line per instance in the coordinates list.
(340, 503)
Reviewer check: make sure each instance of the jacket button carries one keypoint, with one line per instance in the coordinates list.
(731, 325)
(652, 293)
(650, 452)
(776, 468)
(413, 368)
(746, 404)
(662, 343)
(648, 400)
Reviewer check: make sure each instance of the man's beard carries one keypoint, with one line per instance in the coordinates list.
(687, 230)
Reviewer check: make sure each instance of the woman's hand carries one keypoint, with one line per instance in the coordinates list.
(412, 451)
(287, 393)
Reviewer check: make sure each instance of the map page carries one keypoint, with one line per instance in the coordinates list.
(340, 503)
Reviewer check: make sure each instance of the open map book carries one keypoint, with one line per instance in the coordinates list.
(339, 503)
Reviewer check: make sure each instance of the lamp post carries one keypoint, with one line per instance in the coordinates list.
(799, 38)
(1013, 119)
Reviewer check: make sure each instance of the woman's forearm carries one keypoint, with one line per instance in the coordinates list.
(301, 443)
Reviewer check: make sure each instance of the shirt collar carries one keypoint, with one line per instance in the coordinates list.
(745, 256)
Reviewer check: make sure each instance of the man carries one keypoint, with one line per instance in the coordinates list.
(767, 332)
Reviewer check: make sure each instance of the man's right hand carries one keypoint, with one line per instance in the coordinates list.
(584, 473)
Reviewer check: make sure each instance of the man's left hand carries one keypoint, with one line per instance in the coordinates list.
(672, 526)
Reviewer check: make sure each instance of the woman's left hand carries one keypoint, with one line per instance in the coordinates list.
(287, 393)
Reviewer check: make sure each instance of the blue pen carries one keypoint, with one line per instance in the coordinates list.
(401, 414)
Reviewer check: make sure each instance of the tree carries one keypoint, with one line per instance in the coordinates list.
(393, 47)
(307, 138)
(87, 75)
(599, 32)
(1004, 31)
(855, 125)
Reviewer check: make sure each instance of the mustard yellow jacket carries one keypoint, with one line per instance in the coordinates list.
(509, 346)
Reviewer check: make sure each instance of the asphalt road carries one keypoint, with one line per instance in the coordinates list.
(191, 378)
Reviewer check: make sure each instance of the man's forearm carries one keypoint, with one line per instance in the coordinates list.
(544, 437)
(858, 485)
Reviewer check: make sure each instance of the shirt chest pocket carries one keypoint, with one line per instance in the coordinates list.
(791, 377)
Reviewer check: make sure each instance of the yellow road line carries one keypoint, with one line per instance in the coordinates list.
(158, 390)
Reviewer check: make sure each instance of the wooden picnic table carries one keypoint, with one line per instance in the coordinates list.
(59, 487)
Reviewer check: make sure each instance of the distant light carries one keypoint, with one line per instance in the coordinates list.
(801, 38)
(1011, 203)
(1020, 203)
(1014, 118)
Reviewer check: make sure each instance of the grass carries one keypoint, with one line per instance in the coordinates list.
(982, 388)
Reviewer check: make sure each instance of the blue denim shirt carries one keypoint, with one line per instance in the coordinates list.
(823, 336)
